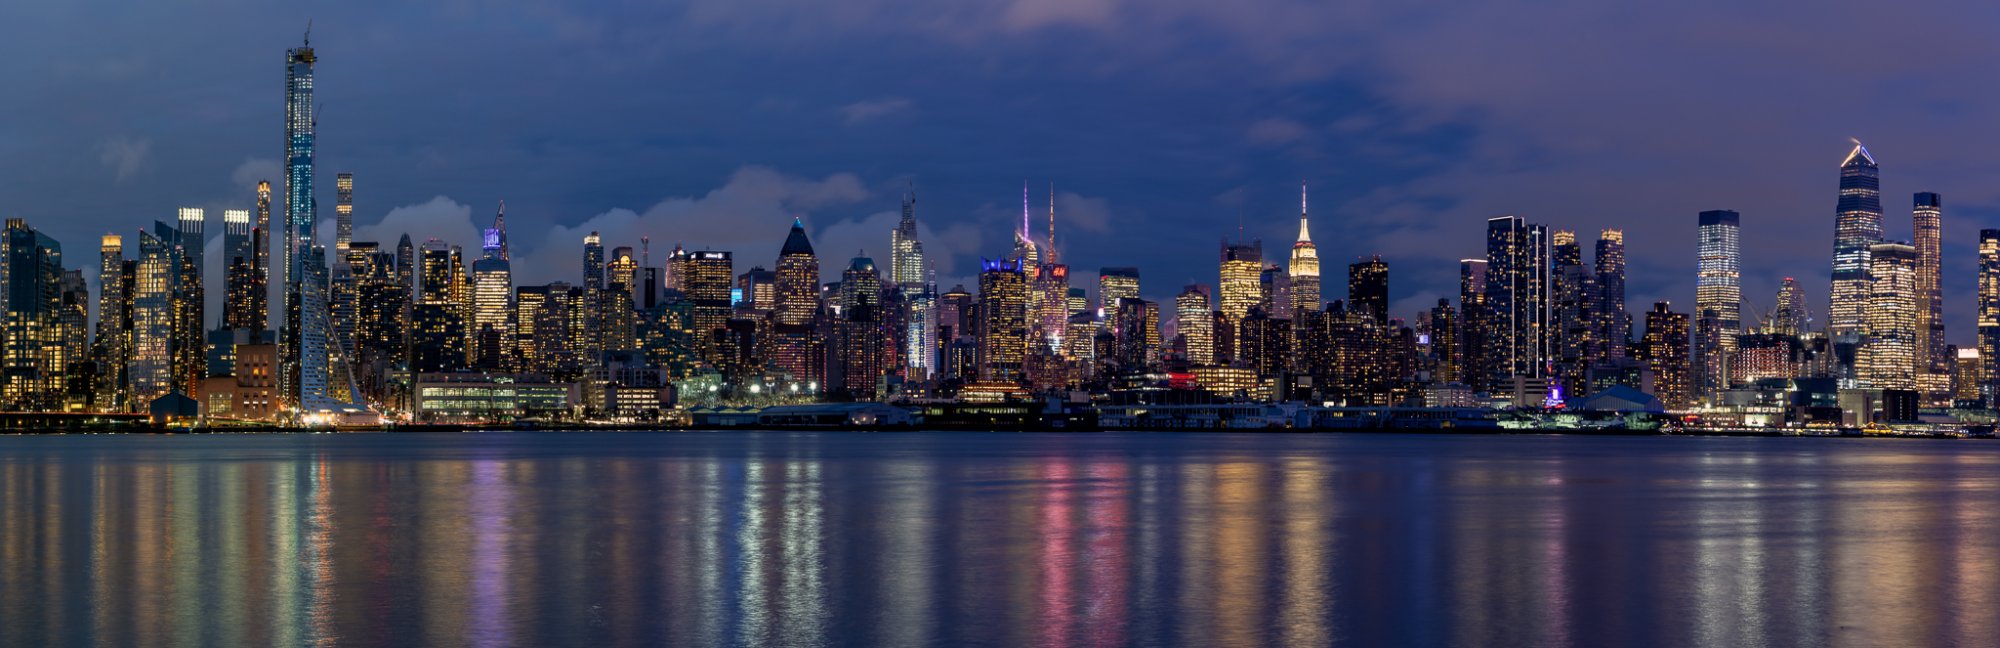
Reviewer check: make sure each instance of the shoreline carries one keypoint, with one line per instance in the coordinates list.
(891, 429)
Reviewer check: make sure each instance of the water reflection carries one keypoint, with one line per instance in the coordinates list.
(961, 539)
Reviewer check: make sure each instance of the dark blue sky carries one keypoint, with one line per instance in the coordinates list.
(1161, 123)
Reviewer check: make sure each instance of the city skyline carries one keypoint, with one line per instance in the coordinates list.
(556, 196)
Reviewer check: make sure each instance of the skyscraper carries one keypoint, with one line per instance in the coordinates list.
(1114, 284)
(798, 278)
(1989, 313)
(1026, 253)
(1857, 225)
(155, 278)
(32, 275)
(1932, 360)
(1517, 267)
(406, 263)
(1888, 357)
(1574, 321)
(260, 243)
(1196, 324)
(906, 253)
(593, 262)
(315, 338)
(617, 320)
(1241, 288)
(114, 324)
(1473, 315)
(243, 291)
(1444, 327)
(1368, 288)
(910, 277)
(492, 291)
(1718, 299)
(1666, 353)
(301, 212)
(1305, 265)
(858, 360)
(1003, 307)
(343, 213)
(709, 276)
(1274, 291)
(193, 221)
(1788, 311)
(1615, 328)
(1050, 319)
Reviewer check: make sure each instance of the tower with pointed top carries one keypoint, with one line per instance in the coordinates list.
(910, 277)
(798, 278)
(1304, 268)
(906, 252)
(1050, 293)
(1857, 226)
(1025, 251)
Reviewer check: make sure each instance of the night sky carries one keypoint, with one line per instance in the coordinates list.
(1162, 123)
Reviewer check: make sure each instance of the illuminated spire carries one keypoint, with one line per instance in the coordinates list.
(1024, 210)
(1859, 152)
(1051, 252)
(1304, 237)
(495, 243)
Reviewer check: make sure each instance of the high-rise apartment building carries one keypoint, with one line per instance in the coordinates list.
(1666, 354)
(1368, 288)
(301, 215)
(1927, 217)
(343, 213)
(1615, 328)
(114, 324)
(617, 316)
(1473, 315)
(244, 287)
(32, 275)
(155, 280)
(1574, 322)
(1517, 304)
(1989, 313)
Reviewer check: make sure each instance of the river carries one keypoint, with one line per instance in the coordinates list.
(1001, 539)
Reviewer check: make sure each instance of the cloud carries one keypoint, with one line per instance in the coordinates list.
(1275, 131)
(126, 156)
(254, 170)
(1078, 212)
(749, 216)
(862, 111)
(441, 218)
(1030, 14)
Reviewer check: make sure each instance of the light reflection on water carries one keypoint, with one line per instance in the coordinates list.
(995, 539)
